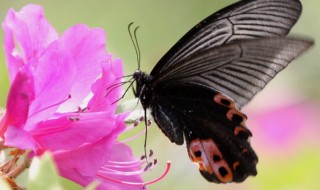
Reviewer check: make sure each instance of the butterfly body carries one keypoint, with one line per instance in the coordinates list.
(196, 91)
(144, 88)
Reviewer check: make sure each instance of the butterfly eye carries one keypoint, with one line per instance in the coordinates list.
(137, 74)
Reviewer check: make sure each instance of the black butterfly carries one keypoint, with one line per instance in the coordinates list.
(196, 91)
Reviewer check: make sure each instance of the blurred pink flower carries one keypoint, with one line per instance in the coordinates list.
(285, 128)
(57, 100)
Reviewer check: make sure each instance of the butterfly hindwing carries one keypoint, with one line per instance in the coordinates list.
(215, 131)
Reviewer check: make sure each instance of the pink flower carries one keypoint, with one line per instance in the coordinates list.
(57, 100)
(284, 128)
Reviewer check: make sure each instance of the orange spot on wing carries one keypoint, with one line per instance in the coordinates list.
(201, 167)
(223, 100)
(238, 129)
(235, 112)
(235, 165)
(205, 160)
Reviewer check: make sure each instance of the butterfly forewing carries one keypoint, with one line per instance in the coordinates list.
(240, 69)
(242, 20)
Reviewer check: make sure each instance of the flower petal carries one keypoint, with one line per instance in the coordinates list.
(72, 130)
(20, 96)
(87, 49)
(111, 70)
(30, 32)
(14, 61)
(54, 77)
(81, 164)
(19, 138)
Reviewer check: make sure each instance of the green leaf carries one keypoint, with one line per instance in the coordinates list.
(92, 186)
(43, 174)
(68, 185)
(4, 185)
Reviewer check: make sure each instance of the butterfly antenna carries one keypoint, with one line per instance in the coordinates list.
(119, 84)
(137, 45)
(114, 86)
(124, 77)
(124, 92)
(134, 42)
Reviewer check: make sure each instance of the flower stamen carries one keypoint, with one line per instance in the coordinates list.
(116, 172)
(134, 163)
(58, 103)
(138, 183)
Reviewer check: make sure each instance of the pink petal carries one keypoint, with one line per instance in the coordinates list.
(87, 49)
(30, 31)
(81, 164)
(117, 68)
(111, 70)
(72, 130)
(14, 61)
(19, 138)
(54, 77)
(20, 96)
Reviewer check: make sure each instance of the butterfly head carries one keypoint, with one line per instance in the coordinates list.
(137, 75)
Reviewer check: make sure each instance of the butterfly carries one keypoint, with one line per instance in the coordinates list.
(197, 89)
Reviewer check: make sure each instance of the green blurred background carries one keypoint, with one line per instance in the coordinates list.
(284, 118)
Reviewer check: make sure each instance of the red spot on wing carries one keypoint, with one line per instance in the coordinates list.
(235, 165)
(223, 100)
(233, 111)
(239, 129)
(206, 161)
